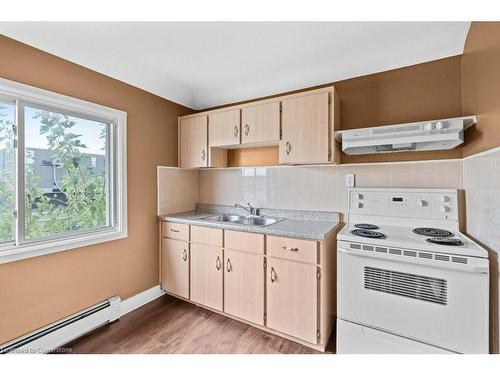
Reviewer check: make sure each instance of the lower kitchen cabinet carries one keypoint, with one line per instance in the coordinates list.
(292, 298)
(280, 284)
(175, 267)
(244, 285)
(207, 275)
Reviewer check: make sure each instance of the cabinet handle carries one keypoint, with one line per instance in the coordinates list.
(174, 230)
(235, 131)
(247, 129)
(228, 265)
(288, 148)
(202, 154)
(284, 247)
(217, 264)
(184, 255)
(273, 275)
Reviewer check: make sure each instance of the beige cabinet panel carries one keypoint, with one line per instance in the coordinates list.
(260, 123)
(244, 285)
(252, 242)
(206, 275)
(292, 249)
(207, 236)
(305, 125)
(224, 128)
(175, 231)
(193, 142)
(292, 298)
(175, 267)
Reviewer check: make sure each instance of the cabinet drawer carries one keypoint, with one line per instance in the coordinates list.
(175, 230)
(292, 249)
(251, 242)
(207, 236)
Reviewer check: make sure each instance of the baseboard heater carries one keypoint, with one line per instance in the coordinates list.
(53, 336)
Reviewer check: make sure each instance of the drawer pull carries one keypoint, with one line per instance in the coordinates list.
(174, 230)
(273, 275)
(235, 131)
(228, 265)
(217, 264)
(284, 247)
(184, 255)
(247, 129)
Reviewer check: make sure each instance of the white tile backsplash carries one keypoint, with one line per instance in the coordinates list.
(319, 187)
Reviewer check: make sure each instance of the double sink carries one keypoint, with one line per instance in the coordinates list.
(259, 221)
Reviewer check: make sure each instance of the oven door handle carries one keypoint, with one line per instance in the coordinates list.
(422, 262)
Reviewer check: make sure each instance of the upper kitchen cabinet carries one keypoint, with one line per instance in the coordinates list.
(224, 128)
(308, 122)
(193, 142)
(299, 128)
(261, 124)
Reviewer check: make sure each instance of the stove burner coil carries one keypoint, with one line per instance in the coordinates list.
(432, 232)
(446, 241)
(367, 233)
(365, 226)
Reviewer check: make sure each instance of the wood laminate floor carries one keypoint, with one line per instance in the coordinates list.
(170, 325)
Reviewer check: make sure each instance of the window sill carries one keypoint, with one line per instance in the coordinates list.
(14, 253)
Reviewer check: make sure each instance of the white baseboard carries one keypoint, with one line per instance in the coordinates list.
(140, 299)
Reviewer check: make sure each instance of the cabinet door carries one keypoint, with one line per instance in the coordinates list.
(305, 126)
(292, 298)
(224, 128)
(260, 123)
(206, 275)
(175, 267)
(193, 142)
(244, 285)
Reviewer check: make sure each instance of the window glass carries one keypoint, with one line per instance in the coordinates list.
(66, 174)
(7, 172)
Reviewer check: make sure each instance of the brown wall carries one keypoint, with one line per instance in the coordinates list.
(40, 290)
(481, 86)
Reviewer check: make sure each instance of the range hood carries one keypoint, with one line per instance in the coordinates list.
(430, 135)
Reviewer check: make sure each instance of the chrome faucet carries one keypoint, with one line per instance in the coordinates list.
(251, 210)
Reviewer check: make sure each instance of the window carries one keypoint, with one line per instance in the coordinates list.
(62, 170)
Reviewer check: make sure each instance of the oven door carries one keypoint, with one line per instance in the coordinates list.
(431, 301)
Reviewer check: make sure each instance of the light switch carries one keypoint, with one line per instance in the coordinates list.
(349, 180)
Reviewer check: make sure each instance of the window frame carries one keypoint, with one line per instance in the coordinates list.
(116, 157)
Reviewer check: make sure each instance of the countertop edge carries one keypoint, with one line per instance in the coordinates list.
(330, 225)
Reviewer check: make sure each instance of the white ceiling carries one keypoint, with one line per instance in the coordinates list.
(204, 64)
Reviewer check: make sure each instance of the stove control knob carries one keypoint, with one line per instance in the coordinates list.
(421, 203)
(445, 209)
(429, 126)
(444, 199)
(360, 196)
(440, 125)
(360, 205)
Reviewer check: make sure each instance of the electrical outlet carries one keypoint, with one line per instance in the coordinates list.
(349, 180)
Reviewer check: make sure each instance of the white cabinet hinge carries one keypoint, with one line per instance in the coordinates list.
(265, 263)
(318, 334)
(265, 318)
(281, 107)
(329, 99)
(318, 274)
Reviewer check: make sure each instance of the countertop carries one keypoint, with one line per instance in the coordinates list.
(297, 226)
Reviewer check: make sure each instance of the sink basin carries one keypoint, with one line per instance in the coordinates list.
(244, 220)
(259, 221)
(225, 218)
